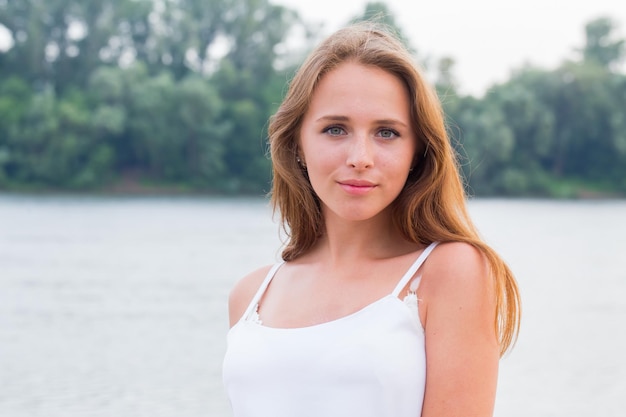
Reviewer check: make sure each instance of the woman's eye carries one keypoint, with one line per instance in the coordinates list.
(334, 130)
(388, 133)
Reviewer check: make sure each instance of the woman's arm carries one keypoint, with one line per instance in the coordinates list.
(462, 352)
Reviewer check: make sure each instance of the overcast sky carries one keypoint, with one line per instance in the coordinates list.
(487, 38)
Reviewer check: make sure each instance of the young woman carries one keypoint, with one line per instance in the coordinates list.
(387, 303)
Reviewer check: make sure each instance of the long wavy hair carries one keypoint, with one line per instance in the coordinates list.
(431, 206)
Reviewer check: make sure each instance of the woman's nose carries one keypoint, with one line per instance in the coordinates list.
(360, 152)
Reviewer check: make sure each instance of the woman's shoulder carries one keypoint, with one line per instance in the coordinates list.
(242, 292)
(459, 251)
(456, 266)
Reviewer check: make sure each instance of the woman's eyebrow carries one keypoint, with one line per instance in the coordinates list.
(332, 118)
(338, 118)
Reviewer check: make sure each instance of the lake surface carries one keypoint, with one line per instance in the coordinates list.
(117, 306)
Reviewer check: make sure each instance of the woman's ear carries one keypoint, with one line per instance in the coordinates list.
(301, 162)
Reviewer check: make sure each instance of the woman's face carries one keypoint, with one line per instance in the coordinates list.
(357, 141)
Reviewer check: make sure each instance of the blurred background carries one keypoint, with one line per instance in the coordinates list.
(134, 95)
(133, 174)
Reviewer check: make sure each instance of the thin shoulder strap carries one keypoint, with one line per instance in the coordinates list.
(416, 265)
(261, 290)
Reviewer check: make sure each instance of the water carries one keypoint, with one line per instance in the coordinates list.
(117, 306)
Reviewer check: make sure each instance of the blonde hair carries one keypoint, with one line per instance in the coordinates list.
(431, 207)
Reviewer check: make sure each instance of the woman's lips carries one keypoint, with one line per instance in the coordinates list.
(357, 187)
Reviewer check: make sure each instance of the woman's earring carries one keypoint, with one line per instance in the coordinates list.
(303, 165)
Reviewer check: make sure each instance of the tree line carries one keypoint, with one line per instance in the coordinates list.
(176, 94)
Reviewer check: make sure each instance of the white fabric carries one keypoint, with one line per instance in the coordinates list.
(370, 363)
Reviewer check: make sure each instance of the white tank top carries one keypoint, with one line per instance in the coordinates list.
(371, 363)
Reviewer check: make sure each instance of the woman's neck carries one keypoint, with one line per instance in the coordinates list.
(357, 241)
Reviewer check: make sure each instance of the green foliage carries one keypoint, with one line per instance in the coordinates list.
(172, 92)
(549, 132)
(600, 48)
(178, 92)
(484, 142)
